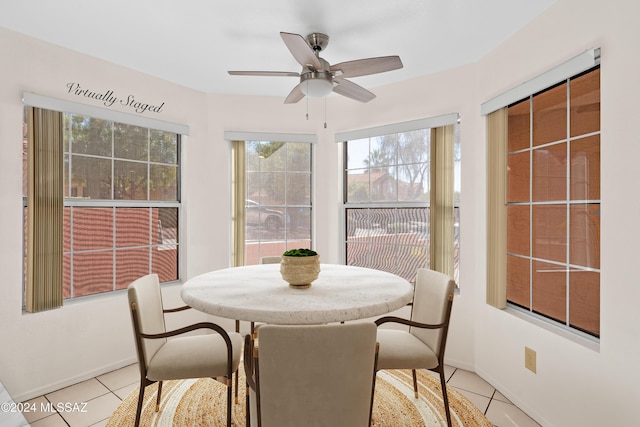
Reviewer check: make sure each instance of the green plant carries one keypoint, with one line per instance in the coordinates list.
(299, 252)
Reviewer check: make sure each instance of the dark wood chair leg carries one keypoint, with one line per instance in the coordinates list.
(373, 393)
(236, 391)
(159, 396)
(236, 375)
(415, 383)
(229, 402)
(247, 406)
(445, 397)
(140, 400)
(248, 372)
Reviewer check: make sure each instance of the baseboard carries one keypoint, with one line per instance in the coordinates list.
(459, 364)
(51, 387)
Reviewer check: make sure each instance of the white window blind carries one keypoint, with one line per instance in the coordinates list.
(431, 122)
(34, 100)
(267, 136)
(567, 69)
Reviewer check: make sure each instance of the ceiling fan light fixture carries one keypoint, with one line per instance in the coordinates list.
(316, 84)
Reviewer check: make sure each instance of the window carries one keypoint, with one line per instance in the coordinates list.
(120, 215)
(401, 198)
(272, 189)
(543, 167)
(553, 203)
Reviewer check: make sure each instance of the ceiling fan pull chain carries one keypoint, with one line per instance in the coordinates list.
(325, 112)
(307, 83)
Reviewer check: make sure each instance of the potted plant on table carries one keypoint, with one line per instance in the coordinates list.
(300, 267)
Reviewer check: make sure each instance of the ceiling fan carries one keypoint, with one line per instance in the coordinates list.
(318, 78)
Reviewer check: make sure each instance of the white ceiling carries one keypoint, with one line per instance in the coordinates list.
(194, 42)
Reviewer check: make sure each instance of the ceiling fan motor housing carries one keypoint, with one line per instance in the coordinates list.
(318, 41)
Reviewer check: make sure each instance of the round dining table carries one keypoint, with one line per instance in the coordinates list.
(257, 293)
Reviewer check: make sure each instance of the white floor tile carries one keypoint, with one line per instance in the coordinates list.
(499, 396)
(36, 407)
(480, 402)
(448, 372)
(54, 420)
(470, 381)
(123, 392)
(507, 415)
(96, 410)
(121, 377)
(78, 393)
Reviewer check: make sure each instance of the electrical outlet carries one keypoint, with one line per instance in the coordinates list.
(530, 359)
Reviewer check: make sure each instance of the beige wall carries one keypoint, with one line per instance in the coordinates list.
(575, 385)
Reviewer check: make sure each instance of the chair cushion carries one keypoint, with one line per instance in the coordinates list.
(145, 293)
(401, 350)
(194, 356)
(430, 302)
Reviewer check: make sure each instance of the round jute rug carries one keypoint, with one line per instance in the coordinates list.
(202, 402)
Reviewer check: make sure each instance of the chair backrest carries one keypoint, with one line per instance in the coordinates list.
(270, 259)
(432, 300)
(145, 302)
(319, 375)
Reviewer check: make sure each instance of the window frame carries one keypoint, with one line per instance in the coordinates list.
(431, 123)
(240, 196)
(115, 117)
(567, 202)
(495, 110)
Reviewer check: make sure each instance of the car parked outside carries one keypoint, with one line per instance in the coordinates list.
(259, 216)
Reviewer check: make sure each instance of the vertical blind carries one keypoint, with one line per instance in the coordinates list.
(442, 200)
(45, 201)
(497, 208)
(238, 190)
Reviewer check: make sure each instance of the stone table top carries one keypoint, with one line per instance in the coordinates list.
(257, 293)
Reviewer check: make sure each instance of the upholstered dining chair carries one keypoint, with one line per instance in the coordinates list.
(311, 375)
(423, 345)
(271, 259)
(165, 355)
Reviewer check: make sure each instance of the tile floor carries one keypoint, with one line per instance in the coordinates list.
(104, 393)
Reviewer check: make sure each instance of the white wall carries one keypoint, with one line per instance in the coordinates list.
(45, 351)
(574, 386)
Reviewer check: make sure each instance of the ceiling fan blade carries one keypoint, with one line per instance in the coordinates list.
(295, 95)
(265, 73)
(352, 90)
(364, 67)
(301, 50)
